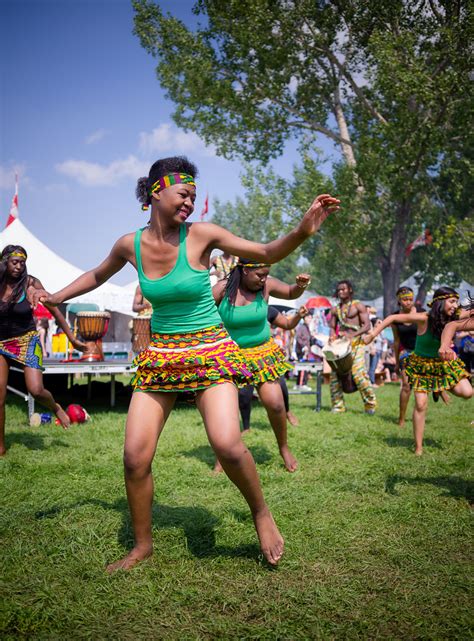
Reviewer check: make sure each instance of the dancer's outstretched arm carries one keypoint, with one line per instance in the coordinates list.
(460, 325)
(279, 289)
(274, 251)
(88, 281)
(290, 322)
(420, 319)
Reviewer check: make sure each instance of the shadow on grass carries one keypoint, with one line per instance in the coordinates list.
(455, 487)
(33, 441)
(197, 523)
(400, 441)
(205, 454)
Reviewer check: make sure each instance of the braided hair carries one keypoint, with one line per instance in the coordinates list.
(162, 167)
(22, 283)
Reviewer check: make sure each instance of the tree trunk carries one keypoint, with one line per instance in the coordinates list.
(347, 150)
(391, 265)
(423, 288)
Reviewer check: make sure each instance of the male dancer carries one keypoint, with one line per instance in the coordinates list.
(349, 319)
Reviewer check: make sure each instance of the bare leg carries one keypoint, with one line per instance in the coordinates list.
(272, 398)
(147, 415)
(34, 385)
(419, 417)
(405, 391)
(219, 408)
(463, 389)
(4, 369)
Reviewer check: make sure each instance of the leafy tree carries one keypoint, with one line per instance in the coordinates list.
(389, 82)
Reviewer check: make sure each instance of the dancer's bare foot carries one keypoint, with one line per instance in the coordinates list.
(291, 463)
(401, 422)
(271, 541)
(418, 451)
(217, 467)
(246, 431)
(292, 419)
(128, 562)
(445, 397)
(62, 417)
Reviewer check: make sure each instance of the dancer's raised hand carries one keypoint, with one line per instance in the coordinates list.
(321, 207)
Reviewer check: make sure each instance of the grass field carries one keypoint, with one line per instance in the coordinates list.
(378, 542)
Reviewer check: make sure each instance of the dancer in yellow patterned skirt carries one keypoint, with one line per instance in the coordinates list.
(426, 371)
(243, 305)
(19, 339)
(190, 349)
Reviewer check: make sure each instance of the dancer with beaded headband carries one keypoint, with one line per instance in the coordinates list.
(425, 370)
(19, 338)
(190, 349)
(242, 301)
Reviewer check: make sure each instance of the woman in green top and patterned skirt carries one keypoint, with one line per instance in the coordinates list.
(242, 301)
(190, 349)
(426, 371)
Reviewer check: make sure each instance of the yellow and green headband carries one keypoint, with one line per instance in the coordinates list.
(167, 181)
(443, 297)
(254, 265)
(17, 254)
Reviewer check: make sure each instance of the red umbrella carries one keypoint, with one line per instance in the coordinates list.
(42, 312)
(317, 301)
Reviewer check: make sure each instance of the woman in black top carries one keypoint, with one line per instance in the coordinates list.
(19, 340)
(404, 339)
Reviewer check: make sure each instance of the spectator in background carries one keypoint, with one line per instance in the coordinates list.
(376, 349)
(302, 348)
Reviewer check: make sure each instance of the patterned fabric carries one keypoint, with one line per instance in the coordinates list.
(434, 374)
(361, 379)
(190, 361)
(266, 362)
(25, 349)
(342, 315)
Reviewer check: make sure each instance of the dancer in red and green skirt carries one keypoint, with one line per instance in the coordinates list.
(426, 371)
(190, 350)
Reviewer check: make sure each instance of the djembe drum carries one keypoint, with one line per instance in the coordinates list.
(92, 326)
(141, 332)
(339, 356)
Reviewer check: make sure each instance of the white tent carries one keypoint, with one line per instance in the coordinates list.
(55, 273)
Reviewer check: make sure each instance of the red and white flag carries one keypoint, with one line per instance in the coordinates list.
(13, 215)
(205, 209)
(425, 238)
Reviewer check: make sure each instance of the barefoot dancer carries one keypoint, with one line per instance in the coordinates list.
(425, 370)
(404, 335)
(192, 351)
(19, 339)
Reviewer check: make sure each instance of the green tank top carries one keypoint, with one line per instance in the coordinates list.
(247, 324)
(427, 345)
(182, 300)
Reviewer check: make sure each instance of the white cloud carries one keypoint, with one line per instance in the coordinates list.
(7, 176)
(169, 139)
(96, 136)
(94, 174)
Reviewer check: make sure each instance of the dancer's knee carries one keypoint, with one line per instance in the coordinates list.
(276, 406)
(405, 388)
(421, 402)
(135, 464)
(36, 389)
(231, 454)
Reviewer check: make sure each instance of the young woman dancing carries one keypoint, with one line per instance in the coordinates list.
(426, 371)
(19, 339)
(190, 349)
(242, 301)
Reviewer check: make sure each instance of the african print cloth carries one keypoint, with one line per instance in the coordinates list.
(266, 362)
(434, 374)
(188, 362)
(361, 379)
(403, 357)
(24, 349)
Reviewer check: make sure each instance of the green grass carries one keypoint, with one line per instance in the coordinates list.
(378, 542)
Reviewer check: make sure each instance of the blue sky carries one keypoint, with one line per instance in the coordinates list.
(82, 116)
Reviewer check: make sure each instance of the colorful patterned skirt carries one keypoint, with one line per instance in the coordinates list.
(403, 357)
(434, 374)
(25, 350)
(266, 362)
(190, 362)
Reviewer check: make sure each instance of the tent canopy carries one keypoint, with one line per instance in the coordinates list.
(55, 273)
